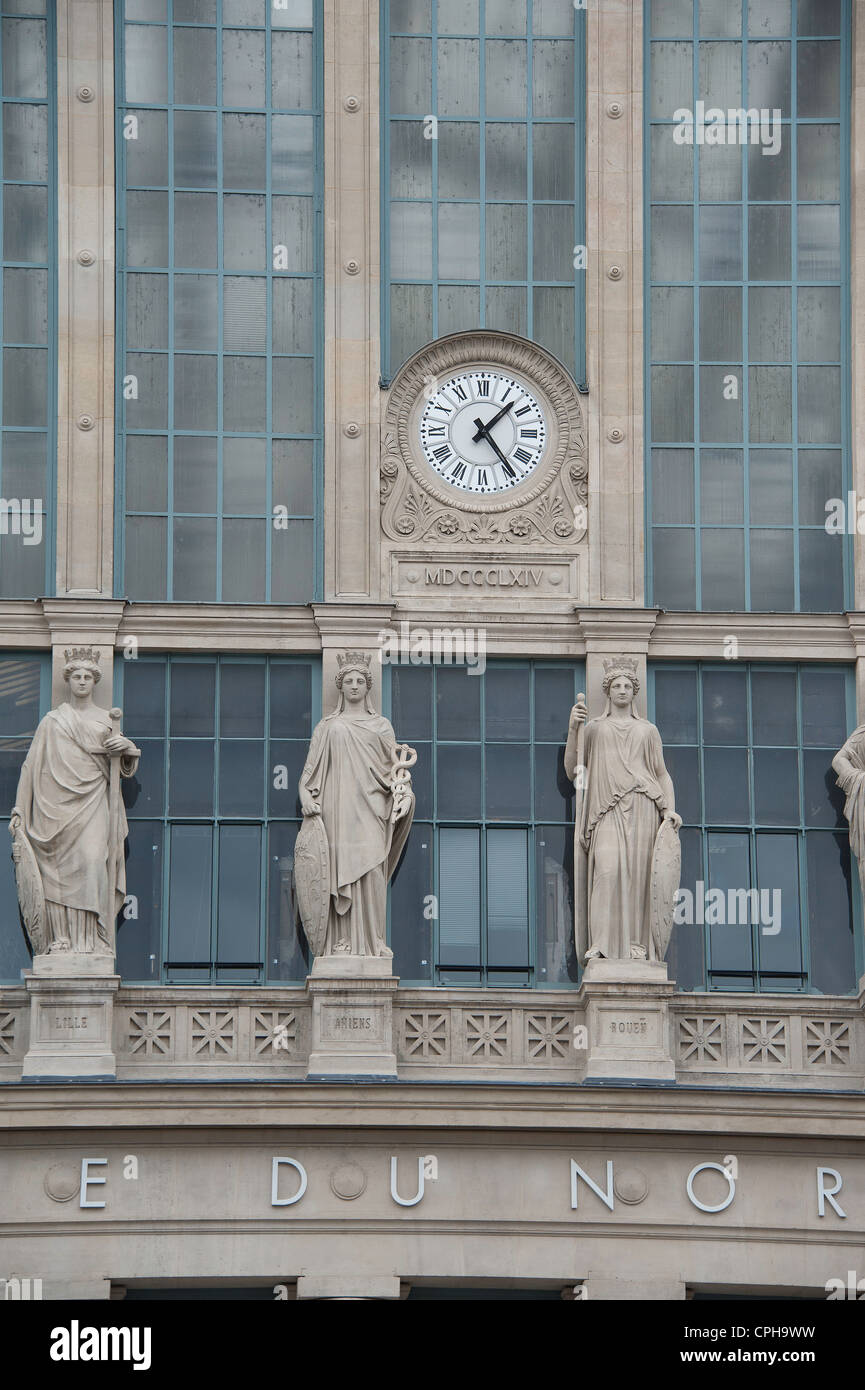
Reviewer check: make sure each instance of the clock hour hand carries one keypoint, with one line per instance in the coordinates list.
(484, 429)
(484, 433)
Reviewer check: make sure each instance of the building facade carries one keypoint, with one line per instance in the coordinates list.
(257, 254)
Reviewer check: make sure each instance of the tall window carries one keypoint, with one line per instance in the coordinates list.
(220, 248)
(483, 173)
(25, 695)
(28, 382)
(213, 816)
(484, 893)
(749, 749)
(747, 313)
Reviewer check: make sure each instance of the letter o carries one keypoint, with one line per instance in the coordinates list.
(478, 577)
(725, 1173)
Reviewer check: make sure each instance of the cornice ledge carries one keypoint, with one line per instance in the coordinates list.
(356, 621)
(249, 627)
(617, 629)
(23, 624)
(758, 636)
(83, 618)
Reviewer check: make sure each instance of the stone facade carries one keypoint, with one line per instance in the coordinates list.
(733, 1122)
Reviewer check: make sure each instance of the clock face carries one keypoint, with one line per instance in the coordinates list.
(483, 431)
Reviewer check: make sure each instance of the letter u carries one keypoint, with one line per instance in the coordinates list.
(406, 1201)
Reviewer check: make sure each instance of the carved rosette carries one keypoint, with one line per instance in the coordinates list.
(550, 509)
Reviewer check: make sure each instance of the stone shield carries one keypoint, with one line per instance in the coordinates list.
(28, 881)
(666, 872)
(312, 880)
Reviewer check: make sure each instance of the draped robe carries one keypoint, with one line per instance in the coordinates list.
(348, 771)
(64, 804)
(853, 786)
(622, 812)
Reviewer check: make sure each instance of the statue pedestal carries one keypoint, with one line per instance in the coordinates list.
(71, 1015)
(352, 1017)
(626, 1006)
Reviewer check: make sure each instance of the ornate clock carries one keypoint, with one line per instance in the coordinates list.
(484, 445)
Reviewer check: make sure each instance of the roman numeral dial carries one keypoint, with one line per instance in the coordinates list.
(483, 431)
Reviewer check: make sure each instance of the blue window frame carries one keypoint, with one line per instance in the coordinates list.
(28, 382)
(749, 747)
(219, 390)
(25, 696)
(213, 816)
(483, 202)
(747, 273)
(484, 892)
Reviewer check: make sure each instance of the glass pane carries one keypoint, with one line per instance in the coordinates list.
(672, 83)
(821, 573)
(458, 704)
(193, 689)
(554, 794)
(824, 799)
(772, 571)
(25, 142)
(505, 161)
(771, 487)
(241, 778)
(769, 243)
(672, 166)
(144, 698)
(830, 915)
(683, 766)
(146, 557)
(243, 67)
(554, 697)
(720, 324)
(189, 893)
(459, 782)
(553, 162)
(723, 570)
(507, 897)
(552, 79)
(819, 323)
(730, 946)
(411, 932)
(147, 156)
(459, 241)
(286, 944)
(778, 882)
(195, 229)
(819, 243)
(243, 561)
(685, 952)
(139, 954)
(721, 486)
(506, 82)
(824, 711)
(459, 897)
(411, 240)
(672, 243)
(819, 405)
(507, 703)
(725, 707)
(293, 476)
(508, 782)
(410, 80)
(244, 393)
(776, 786)
(195, 474)
(770, 404)
(673, 403)
(411, 159)
(195, 148)
(818, 74)
(506, 242)
(672, 320)
(292, 577)
(720, 243)
(769, 79)
(194, 68)
(676, 706)
(25, 306)
(147, 229)
(556, 958)
(458, 160)
(721, 403)
(673, 562)
(720, 74)
(773, 707)
(769, 326)
(458, 74)
(411, 702)
(146, 63)
(293, 396)
(673, 486)
(244, 151)
(769, 163)
(819, 163)
(190, 777)
(239, 916)
(290, 700)
(720, 173)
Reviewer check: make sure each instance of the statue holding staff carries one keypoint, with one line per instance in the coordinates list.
(68, 825)
(358, 805)
(626, 843)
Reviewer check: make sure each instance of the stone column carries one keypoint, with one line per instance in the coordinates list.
(351, 278)
(614, 298)
(85, 144)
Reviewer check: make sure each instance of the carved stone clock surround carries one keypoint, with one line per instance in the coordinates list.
(546, 513)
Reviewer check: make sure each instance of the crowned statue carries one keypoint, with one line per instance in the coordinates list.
(358, 804)
(68, 825)
(626, 842)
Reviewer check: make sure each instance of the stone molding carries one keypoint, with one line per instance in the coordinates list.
(781, 1042)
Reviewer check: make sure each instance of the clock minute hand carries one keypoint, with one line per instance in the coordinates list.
(484, 433)
(485, 429)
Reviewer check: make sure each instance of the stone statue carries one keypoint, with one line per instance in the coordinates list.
(68, 824)
(358, 804)
(626, 850)
(849, 766)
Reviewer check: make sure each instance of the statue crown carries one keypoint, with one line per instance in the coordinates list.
(82, 654)
(620, 663)
(353, 659)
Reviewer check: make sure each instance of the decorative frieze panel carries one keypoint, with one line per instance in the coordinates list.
(441, 1034)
